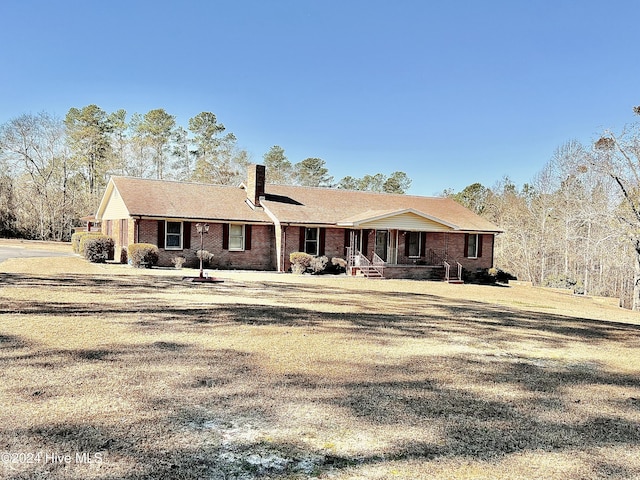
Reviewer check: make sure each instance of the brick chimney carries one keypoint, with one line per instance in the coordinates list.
(255, 183)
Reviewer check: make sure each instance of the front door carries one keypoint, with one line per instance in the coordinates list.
(382, 242)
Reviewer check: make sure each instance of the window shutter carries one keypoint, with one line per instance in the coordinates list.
(423, 244)
(466, 245)
(365, 242)
(225, 236)
(160, 233)
(247, 237)
(480, 245)
(302, 237)
(322, 241)
(407, 243)
(186, 235)
(347, 237)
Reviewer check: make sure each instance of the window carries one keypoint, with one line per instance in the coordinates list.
(311, 241)
(382, 244)
(413, 243)
(472, 245)
(236, 237)
(173, 236)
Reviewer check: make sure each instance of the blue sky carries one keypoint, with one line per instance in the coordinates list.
(451, 93)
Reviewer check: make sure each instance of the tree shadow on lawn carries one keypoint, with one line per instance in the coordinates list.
(230, 436)
(218, 423)
(416, 394)
(471, 318)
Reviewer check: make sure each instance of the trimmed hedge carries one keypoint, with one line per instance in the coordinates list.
(303, 262)
(97, 249)
(300, 261)
(143, 254)
(85, 238)
(76, 240)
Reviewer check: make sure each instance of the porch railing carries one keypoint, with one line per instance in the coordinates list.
(355, 259)
(378, 264)
(447, 271)
(433, 258)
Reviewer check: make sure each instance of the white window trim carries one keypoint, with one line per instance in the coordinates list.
(166, 235)
(475, 252)
(317, 240)
(419, 245)
(242, 248)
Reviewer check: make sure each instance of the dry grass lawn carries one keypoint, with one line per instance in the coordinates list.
(114, 373)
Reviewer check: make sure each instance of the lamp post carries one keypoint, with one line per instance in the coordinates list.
(202, 228)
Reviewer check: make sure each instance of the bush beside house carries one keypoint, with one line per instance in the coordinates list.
(77, 240)
(143, 255)
(94, 246)
(98, 249)
(303, 262)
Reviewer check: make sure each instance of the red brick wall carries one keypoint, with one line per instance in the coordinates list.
(291, 244)
(456, 242)
(261, 256)
(333, 243)
(447, 246)
(434, 241)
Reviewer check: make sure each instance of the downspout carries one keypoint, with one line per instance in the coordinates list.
(283, 249)
(279, 236)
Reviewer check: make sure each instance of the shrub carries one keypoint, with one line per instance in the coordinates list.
(205, 256)
(488, 276)
(178, 262)
(76, 240)
(83, 238)
(123, 255)
(300, 261)
(318, 264)
(98, 249)
(504, 277)
(143, 254)
(338, 265)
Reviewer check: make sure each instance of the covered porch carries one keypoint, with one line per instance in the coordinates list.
(409, 244)
(431, 266)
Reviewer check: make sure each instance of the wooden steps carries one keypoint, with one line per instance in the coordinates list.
(368, 271)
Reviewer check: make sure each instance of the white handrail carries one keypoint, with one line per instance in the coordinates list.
(377, 260)
(447, 270)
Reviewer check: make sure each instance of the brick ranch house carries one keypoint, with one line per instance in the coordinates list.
(256, 226)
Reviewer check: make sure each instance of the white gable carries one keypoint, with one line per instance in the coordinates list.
(406, 221)
(113, 207)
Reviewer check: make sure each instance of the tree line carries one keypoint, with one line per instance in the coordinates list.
(577, 223)
(53, 171)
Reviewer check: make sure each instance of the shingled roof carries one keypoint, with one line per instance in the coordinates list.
(289, 204)
(190, 201)
(346, 207)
